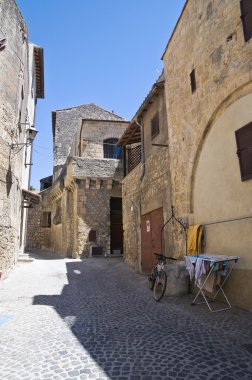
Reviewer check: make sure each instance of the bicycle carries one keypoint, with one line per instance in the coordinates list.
(158, 277)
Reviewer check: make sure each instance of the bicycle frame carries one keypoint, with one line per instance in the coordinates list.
(158, 277)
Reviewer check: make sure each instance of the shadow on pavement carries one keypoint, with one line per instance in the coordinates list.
(110, 310)
(43, 255)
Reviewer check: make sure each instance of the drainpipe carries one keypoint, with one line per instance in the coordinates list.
(142, 150)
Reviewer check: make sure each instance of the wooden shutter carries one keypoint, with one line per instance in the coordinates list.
(244, 150)
(246, 16)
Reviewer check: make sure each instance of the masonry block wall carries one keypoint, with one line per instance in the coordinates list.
(141, 197)
(93, 133)
(13, 100)
(84, 181)
(208, 39)
(208, 66)
(93, 210)
(39, 226)
(80, 131)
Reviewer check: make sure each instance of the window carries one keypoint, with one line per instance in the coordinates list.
(193, 81)
(134, 157)
(244, 150)
(92, 236)
(246, 16)
(110, 150)
(155, 125)
(46, 220)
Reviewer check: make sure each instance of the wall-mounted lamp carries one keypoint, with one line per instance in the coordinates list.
(30, 136)
(31, 133)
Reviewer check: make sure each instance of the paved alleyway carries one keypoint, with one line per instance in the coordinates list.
(96, 319)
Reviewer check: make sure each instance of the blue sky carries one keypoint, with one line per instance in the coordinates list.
(106, 52)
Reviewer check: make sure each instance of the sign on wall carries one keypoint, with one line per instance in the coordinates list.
(147, 225)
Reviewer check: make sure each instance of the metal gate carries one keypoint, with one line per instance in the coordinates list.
(151, 226)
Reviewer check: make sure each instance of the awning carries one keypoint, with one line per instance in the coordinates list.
(131, 135)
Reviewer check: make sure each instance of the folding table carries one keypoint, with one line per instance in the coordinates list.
(213, 260)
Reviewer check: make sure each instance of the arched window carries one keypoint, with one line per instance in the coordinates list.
(110, 150)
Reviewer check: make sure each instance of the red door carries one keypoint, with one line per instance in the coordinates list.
(151, 226)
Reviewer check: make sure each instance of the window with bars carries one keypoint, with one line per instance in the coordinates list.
(155, 125)
(246, 16)
(110, 150)
(244, 150)
(134, 157)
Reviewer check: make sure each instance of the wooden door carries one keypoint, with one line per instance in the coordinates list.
(151, 226)
(116, 226)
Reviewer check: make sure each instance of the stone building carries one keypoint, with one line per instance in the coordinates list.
(81, 213)
(208, 88)
(21, 84)
(146, 186)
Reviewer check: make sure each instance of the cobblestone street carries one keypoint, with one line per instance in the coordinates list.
(96, 319)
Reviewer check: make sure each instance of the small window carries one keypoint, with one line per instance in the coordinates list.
(46, 220)
(246, 16)
(244, 150)
(110, 150)
(193, 81)
(155, 126)
(92, 236)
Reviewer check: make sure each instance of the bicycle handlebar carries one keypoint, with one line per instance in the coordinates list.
(164, 257)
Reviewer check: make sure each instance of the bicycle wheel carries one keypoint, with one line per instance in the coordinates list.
(160, 285)
(152, 278)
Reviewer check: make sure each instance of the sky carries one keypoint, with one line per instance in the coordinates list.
(106, 52)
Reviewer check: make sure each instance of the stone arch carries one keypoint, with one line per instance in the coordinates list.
(239, 93)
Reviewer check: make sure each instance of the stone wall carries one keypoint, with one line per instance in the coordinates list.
(97, 168)
(93, 214)
(205, 174)
(39, 232)
(132, 218)
(93, 133)
(88, 121)
(14, 89)
(209, 39)
(157, 105)
(75, 211)
(141, 197)
(84, 181)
